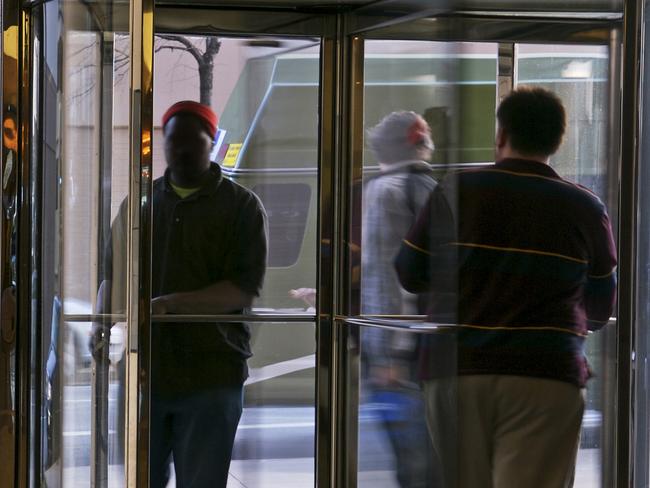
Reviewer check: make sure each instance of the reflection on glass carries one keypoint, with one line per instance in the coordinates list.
(8, 303)
(451, 85)
(274, 445)
(258, 146)
(642, 339)
(486, 248)
(222, 196)
(395, 448)
(392, 199)
(84, 159)
(275, 440)
(287, 210)
(411, 104)
(579, 76)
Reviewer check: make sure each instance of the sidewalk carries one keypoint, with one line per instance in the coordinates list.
(299, 473)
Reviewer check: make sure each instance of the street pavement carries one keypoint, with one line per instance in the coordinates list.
(274, 448)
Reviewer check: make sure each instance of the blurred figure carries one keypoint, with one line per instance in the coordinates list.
(209, 258)
(306, 295)
(392, 199)
(525, 262)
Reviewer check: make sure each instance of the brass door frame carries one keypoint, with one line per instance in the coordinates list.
(339, 147)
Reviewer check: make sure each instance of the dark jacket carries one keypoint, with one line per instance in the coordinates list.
(215, 234)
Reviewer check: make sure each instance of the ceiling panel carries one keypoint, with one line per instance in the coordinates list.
(377, 5)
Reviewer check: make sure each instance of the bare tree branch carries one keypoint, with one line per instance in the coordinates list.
(81, 94)
(204, 57)
(171, 48)
(191, 48)
(83, 49)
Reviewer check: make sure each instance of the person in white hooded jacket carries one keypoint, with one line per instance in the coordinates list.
(402, 144)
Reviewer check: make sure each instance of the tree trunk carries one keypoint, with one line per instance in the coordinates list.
(205, 83)
(206, 69)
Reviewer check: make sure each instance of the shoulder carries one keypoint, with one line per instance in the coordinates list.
(561, 190)
(589, 196)
(159, 183)
(388, 189)
(582, 197)
(425, 179)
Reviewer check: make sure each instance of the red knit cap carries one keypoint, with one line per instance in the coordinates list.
(203, 112)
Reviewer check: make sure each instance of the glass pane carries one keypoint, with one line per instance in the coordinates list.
(235, 213)
(417, 95)
(392, 360)
(84, 149)
(641, 334)
(579, 76)
(274, 444)
(451, 85)
(256, 84)
(395, 448)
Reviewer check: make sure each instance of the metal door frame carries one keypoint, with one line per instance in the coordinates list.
(508, 29)
(339, 143)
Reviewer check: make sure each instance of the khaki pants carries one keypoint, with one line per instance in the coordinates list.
(499, 431)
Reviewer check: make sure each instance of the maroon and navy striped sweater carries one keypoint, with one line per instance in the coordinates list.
(521, 261)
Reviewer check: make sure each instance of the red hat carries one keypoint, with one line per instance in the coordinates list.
(203, 112)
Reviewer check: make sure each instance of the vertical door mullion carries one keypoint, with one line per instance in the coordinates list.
(352, 173)
(608, 334)
(628, 197)
(334, 455)
(100, 377)
(22, 231)
(137, 419)
(325, 349)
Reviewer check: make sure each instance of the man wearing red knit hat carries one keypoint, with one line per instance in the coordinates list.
(209, 258)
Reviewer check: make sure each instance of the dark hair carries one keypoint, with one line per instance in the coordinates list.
(533, 119)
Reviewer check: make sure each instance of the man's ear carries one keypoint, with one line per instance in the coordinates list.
(501, 138)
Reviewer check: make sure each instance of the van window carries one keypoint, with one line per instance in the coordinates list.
(287, 208)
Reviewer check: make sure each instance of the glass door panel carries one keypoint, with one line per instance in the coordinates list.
(642, 337)
(84, 337)
(266, 94)
(579, 75)
(452, 89)
(467, 92)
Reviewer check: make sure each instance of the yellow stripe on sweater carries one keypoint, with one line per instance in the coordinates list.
(516, 249)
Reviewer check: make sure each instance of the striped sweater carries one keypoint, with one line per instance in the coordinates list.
(521, 261)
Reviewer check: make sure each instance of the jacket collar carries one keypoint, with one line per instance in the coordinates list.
(527, 166)
(210, 184)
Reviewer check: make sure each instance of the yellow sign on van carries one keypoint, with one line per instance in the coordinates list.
(231, 155)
